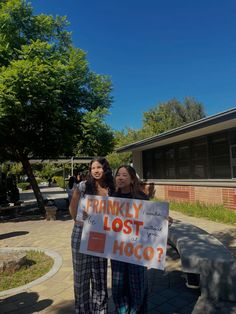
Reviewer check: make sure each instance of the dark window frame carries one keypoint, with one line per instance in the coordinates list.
(161, 168)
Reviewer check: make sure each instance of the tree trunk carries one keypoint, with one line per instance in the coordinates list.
(38, 195)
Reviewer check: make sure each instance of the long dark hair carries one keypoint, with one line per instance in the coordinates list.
(135, 184)
(108, 180)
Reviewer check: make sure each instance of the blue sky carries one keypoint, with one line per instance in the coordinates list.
(155, 50)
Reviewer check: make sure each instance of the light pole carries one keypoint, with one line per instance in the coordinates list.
(72, 166)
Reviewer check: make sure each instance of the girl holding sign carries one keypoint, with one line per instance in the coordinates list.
(87, 267)
(129, 281)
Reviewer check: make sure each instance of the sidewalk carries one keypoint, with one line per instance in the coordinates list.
(167, 290)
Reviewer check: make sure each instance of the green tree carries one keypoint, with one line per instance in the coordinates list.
(97, 138)
(123, 138)
(172, 114)
(46, 87)
(15, 169)
(48, 170)
(163, 117)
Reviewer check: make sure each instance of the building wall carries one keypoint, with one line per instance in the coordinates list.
(195, 169)
(190, 194)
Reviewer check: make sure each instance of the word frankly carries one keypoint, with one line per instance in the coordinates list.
(115, 207)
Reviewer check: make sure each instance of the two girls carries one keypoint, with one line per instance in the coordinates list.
(129, 281)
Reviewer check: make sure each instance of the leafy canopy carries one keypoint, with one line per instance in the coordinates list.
(97, 137)
(165, 116)
(46, 86)
(46, 89)
(172, 114)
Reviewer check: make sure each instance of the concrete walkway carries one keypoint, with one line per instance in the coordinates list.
(167, 290)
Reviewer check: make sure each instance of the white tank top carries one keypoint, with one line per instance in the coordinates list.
(81, 204)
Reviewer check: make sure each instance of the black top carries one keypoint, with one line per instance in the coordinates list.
(71, 182)
(141, 195)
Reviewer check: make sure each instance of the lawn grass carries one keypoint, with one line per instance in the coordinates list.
(37, 265)
(216, 213)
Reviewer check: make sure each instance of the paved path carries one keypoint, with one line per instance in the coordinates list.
(167, 290)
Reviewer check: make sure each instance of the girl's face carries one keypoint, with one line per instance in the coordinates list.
(123, 180)
(97, 170)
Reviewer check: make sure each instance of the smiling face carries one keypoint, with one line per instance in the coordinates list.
(123, 180)
(97, 171)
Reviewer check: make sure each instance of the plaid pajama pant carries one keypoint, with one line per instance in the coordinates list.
(129, 287)
(88, 270)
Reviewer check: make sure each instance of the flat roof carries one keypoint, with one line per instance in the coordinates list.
(207, 125)
(63, 160)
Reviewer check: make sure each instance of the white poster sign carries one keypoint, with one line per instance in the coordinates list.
(128, 230)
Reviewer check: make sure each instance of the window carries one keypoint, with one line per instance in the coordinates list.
(169, 163)
(233, 160)
(201, 158)
(183, 161)
(233, 137)
(159, 164)
(148, 164)
(219, 156)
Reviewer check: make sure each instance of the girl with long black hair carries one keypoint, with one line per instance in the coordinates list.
(90, 272)
(129, 281)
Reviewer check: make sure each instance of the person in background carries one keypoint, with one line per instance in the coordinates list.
(90, 272)
(129, 281)
(49, 181)
(79, 178)
(70, 188)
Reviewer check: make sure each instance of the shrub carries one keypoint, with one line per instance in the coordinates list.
(23, 185)
(59, 181)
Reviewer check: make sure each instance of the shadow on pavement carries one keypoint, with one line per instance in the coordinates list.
(167, 289)
(172, 252)
(62, 215)
(25, 302)
(64, 307)
(30, 211)
(67, 307)
(12, 234)
(227, 237)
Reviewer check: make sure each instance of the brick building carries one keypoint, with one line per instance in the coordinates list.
(195, 162)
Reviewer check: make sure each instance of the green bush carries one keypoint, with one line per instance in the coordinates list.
(23, 185)
(215, 212)
(59, 181)
(40, 180)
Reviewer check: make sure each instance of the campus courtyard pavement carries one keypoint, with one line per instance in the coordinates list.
(168, 293)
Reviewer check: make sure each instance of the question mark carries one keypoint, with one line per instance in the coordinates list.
(160, 252)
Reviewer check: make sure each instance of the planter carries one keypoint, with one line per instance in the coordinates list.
(51, 212)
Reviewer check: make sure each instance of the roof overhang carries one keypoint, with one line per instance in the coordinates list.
(205, 126)
(74, 160)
